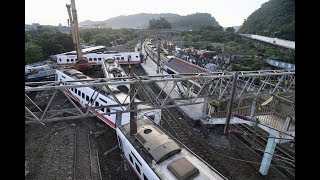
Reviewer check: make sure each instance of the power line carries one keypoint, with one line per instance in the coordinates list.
(248, 161)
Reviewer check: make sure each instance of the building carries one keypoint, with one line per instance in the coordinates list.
(232, 56)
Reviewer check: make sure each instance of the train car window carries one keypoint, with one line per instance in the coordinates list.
(137, 56)
(87, 97)
(90, 59)
(122, 58)
(72, 60)
(130, 158)
(145, 177)
(79, 93)
(95, 59)
(67, 60)
(103, 100)
(108, 110)
(117, 58)
(71, 89)
(75, 90)
(138, 169)
(91, 100)
(83, 95)
(60, 59)
(99, 59)
(97, 104)
(136, 158)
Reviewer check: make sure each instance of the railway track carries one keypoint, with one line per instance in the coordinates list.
(75, 156)
(283, 159)
(154, 55)
(81, 155)
(95, 171)
(179, 125)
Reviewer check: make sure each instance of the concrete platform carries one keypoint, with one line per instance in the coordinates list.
(194, 111)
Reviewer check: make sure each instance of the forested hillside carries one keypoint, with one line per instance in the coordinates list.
(141, 21)
(44, 41)
(275, 18)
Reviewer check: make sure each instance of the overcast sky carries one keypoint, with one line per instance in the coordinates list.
(52, 12)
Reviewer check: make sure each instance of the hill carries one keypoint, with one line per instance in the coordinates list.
(141, 21)
(274, 18)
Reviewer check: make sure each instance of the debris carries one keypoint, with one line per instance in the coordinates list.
(98, 133)
(110, 150)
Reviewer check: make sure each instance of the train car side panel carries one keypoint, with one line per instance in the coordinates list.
(140, 167)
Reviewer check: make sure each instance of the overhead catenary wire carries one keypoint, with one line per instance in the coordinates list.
(248, 161)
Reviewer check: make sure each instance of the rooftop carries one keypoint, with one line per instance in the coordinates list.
(181, 66)
(183, 157)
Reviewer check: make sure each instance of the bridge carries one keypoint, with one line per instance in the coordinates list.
(282, 43)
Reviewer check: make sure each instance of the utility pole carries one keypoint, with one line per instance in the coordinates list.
(158, 62)
(141, 41)
(233, 89)
(222, 58)
(133, 114)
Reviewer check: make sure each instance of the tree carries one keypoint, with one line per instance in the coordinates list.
(230, 29)
(102, 39)
(212, 28)
(51, 40)
(33, 53)
(160, 23)
(274, 16)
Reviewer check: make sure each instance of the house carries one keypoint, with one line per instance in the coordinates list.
(232, 56)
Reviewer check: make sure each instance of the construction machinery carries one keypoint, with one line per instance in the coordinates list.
(82, 63)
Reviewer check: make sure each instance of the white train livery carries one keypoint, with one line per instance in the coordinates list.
(96, 58)
(153, 154)
(90, 98)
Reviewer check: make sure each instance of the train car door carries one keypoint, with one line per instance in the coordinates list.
(129, 58)
(118, 118)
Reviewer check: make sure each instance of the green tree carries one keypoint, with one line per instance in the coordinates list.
(33, 53)
(160, 23)
(194, 21)
(212, 28)
(51, 40)
(273, 18)
(230, 29)
(102, 39)
(104, 36)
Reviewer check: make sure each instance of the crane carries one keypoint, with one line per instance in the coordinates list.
(82, 63)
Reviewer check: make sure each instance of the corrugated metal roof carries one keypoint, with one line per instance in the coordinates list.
(181, 66)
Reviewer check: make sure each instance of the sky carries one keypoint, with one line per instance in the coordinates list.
(52, 12)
